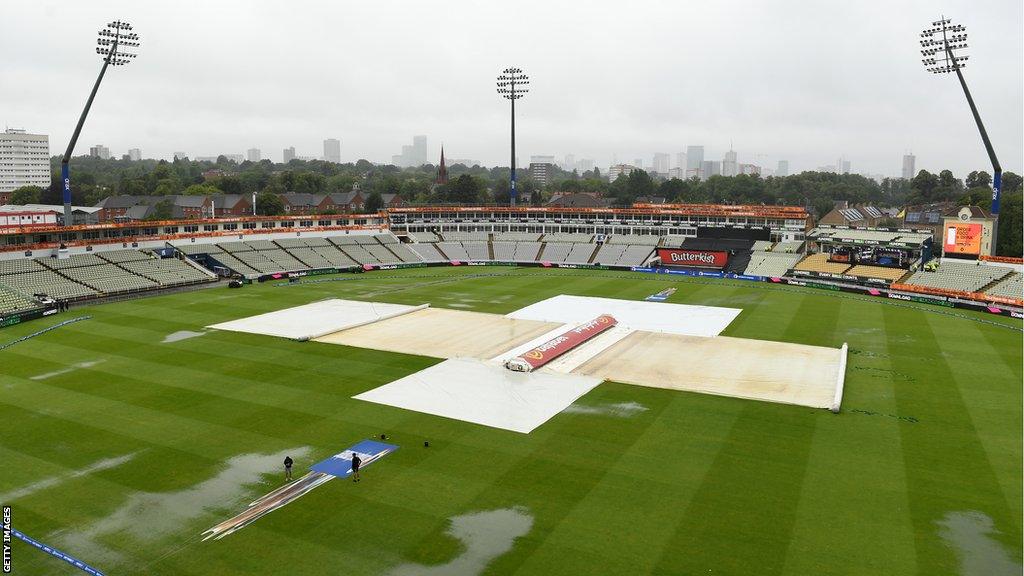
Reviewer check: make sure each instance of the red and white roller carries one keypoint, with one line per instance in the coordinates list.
(548, 351)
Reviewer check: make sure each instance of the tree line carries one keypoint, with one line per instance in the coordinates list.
(94, 179)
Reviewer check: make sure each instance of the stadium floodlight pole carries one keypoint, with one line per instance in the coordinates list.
(953, 38)
(114, 44)
(512, 85)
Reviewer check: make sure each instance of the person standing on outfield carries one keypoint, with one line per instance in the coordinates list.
(288, 467)
(355, 467)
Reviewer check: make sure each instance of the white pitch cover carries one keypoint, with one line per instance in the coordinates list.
(484, 393)
(317, 319)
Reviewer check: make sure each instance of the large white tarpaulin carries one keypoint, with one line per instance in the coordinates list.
(317, 319)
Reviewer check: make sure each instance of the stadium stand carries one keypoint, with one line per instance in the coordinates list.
(643, 239)
(12, 301)
(108, 279)
(424, 237)
(453, 251)
(119, 256)
(47, 282)
(959, 276)
(20, 265)
(381, 254)
(762, 245)
(504, 251)
(386, 238)
(553, 251)
(343, 240)
(635, 255)
(770, 264)
(877, 272)
(672, 241)
(75, 261)
(787, 247)
(576, 238)
(477, 251)
(517, 236)
(819, 263)
(609, 253)
(404, 253)
(455, 236)
(527, 251)
(359, 254)
(1009, 287)
(581, 253)
(428, 252)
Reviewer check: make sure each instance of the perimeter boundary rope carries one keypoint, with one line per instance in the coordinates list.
(43, 331)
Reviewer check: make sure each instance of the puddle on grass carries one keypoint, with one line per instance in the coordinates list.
(148, 516)
(62, 371)
(45, 483)
(180, 335)
(484, 536)
(460, 305)
(620, 409)
(970, 535)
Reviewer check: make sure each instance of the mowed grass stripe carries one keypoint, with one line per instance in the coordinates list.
(854, 497)
(749, 496)
(934, 398)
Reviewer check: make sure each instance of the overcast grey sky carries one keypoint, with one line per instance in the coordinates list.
(807, 81)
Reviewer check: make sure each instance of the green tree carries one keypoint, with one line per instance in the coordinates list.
(269, 204)
(26, 195)
(1012, 182)
(201, 190)
(374, 202)
(1011, 225)
(923, 187)
(464, 190)
(228, 185)
(978, 179)
(162, 210)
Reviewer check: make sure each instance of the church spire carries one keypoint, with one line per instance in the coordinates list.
(442, 170)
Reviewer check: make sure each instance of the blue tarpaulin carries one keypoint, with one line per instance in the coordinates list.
(340, 465)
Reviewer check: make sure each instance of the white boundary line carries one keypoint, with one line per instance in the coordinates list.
(840, 380)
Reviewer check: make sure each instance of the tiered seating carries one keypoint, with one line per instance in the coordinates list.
(386, 238)
(108, 278)
(635, 254)
(404, 253)
(359, 254)
(517, 236)
(74, 261)
(526, 251)
(317, 242)
(1010, 287)
(609, 253)
(553, 251)
(229, 260)
(424, 237)
(477, 251)
(366, 239)
(762, 245)
(644, 239)
(118, 256)
(47, 282)
(193, 249)
(453, 250)
(310, 257)
(167, 271)
(343, 240)
(819, 263)
(580, 254)
(20, 265)
(465, 236)
(957, 276)
(382, 254)
(879, 272)
(12, 301)
(576, 238)
(504, 251)
(770, 264)
(235, 246)
(261, 245)
(672, 241)
(334, 256)
(428, 252)
(288, 243)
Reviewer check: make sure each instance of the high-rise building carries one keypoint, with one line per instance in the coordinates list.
(677, 173)
(729, 166)
(332, 150)
(639, 163)
(681, 160)
(711, 168)
(844, 167)
(783, 168)
(419, 149)
(617, 170)
(253, 155)
(695, 160)
(570, 163)
(100, 151)
(289, 154)
(135, 154)
(585, 165)
(542, 172)
(908, 166)
(24, 160)
(661, 160)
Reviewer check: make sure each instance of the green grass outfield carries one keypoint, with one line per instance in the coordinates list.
(919, 474)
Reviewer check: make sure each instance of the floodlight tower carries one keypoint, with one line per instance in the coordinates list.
(940, 57)
(115, 44)
(512, 85)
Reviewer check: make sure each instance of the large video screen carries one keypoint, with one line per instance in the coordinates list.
(962, 238)
(699, 258)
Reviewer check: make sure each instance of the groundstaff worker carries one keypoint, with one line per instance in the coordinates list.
(288, 467)
(355, 467)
